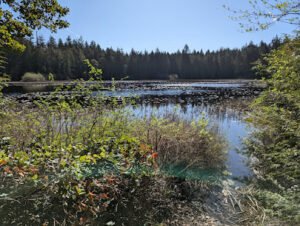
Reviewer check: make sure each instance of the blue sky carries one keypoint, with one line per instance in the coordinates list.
(164, 24)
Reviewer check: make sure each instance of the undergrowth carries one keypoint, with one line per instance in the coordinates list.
(274, 145)
(69, 159)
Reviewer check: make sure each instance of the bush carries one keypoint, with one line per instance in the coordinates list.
(83, 161)
(33, 77)
(179, 142)
(70, 161)
(276, 142)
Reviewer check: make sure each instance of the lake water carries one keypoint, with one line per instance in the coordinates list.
(129, 86)
(171, 89)
(226, 116)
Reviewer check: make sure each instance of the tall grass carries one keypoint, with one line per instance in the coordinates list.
(70, 160)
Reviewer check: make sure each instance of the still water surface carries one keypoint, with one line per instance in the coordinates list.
(226, 116)
(230, 122)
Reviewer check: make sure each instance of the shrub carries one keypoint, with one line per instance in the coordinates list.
(70, 160)
(178, 142)
(83, 161)
(33, 77)
(275, 143)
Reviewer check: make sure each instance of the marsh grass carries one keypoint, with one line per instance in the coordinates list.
(71, 160)
(179, 142)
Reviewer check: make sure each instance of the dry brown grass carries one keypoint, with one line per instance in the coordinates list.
(188, 143)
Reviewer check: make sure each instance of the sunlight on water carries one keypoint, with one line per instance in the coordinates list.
(229, 121)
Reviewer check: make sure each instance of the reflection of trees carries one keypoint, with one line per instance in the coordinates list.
(232, 109)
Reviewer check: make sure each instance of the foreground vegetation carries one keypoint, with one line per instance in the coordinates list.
(82, 159)
(70, 159)
(275, 144)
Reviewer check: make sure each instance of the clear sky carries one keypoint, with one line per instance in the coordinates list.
(164, 24)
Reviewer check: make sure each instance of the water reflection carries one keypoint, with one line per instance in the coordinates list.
(227, 115)
(192, 100)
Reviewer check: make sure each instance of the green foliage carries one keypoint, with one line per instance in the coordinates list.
(183, 143)
(275, 144)
(3, 61)
(75, 153)
(19, 18)
(51, 77)
(33, 77)
(263, 14)
(4, 78)
(82, 153)
(93, 71)
(65, 60)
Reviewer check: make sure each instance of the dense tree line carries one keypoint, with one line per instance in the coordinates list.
(64, 59)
